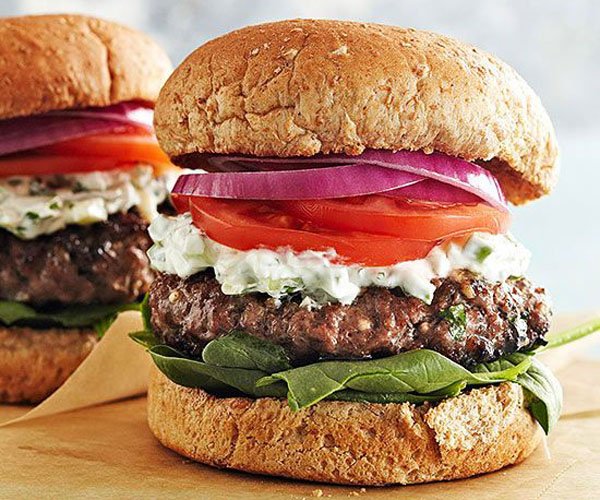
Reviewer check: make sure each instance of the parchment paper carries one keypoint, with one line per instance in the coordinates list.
(107, 452)
(117, 368)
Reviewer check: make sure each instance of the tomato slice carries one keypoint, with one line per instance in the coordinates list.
(44, 165)
(126, 147)
(246, 225)
(88, 154)
(402, 218)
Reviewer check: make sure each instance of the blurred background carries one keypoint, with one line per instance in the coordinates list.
(554, 44)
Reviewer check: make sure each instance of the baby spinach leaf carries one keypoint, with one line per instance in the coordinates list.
(183, 371)
(546, 395)
(102, 326)
(383, 398)
(100, 317)
(12, 312)
(572, 334)
(420, 372)
(511, 365)
(145, 338)
(240, 350)
(543, 389)
(192, 373)
(399, 397)
(452, 390)
(146, 313)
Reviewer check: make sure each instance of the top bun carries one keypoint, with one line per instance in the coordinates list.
(302, 87)
(57, 62)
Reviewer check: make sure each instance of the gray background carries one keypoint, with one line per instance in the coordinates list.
(554, 44)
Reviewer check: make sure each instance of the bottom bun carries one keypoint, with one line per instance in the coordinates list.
(34, 363)
(346, 443)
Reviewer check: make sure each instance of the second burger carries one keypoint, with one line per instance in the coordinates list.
(81, 176)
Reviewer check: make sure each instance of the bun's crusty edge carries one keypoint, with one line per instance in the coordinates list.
(34, 363)
(303, 87)
(346, 443)
(55, 62)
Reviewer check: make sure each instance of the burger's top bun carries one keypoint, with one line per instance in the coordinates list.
(304, 87)
(56, 62)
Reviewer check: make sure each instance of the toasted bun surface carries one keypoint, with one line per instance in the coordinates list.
(34, 363)
(302, 87)
(55, 62)
(347, 443)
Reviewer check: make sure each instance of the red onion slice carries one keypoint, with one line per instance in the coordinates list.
(128, 113)
(447, 170)
(431, 190)
(30, 132)
(426, 189)
(329, 182)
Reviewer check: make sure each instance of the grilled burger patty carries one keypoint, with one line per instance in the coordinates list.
(103, 263)
(470, 320)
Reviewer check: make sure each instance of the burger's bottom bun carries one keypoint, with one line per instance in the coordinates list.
(346, 443)
(34, 363)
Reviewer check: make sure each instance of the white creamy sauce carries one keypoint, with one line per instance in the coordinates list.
(182, 249)
(34, 205)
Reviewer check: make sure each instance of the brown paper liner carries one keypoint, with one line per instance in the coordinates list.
(117, 368)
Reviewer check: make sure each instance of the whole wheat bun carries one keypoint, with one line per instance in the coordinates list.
(346, 443)
(56, 62)
(302, 87)
(34, 363)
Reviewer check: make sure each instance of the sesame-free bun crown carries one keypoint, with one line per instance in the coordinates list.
(56, 62)
(303, 87)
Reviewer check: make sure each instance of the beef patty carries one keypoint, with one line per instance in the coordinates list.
(103, 263)
(470, 320)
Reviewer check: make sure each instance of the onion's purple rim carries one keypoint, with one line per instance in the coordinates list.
(31, 132)
(447, 179)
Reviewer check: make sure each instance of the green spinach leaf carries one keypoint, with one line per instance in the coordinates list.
(420, 372)
(146, 313)
(393, 397)
(240, 350)
(100, 317)
(399, 397)
(145, 338)
(572, 334)
(192, 373)
(103, 325)
(546, 395)
(543, 389)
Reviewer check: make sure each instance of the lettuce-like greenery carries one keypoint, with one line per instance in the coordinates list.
(419, 372)
(100, 317)
(571, 335)
(241, 364)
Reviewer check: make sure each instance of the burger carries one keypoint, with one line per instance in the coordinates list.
(339, 298)
(81, 176)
